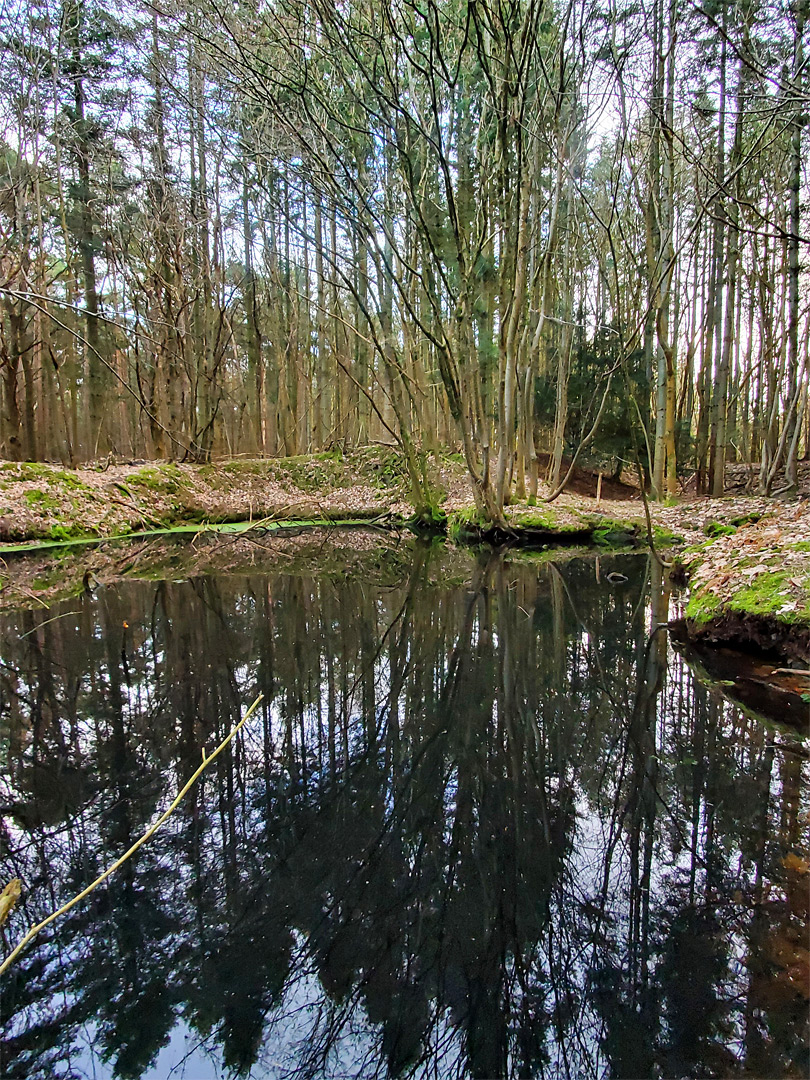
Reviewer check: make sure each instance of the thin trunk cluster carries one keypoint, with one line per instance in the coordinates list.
(519, 233)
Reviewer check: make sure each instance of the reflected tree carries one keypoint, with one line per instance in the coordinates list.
(482, 827)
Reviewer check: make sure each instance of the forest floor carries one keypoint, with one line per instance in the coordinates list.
(748, 557)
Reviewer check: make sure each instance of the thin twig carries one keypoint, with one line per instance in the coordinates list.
(34, 629)
(207, 759)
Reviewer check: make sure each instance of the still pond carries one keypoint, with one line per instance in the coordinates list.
(484, 824)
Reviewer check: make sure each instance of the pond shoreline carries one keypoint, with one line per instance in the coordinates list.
(746, 560)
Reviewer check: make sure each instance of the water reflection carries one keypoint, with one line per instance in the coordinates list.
(485, 829)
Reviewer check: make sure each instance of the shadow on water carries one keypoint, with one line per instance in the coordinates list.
(491, 830)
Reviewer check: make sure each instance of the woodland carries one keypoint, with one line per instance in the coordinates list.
(294, 279)
(501, 227)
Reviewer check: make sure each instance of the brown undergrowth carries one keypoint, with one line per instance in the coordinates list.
(748, 557)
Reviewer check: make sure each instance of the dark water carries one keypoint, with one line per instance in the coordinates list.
(478, 829)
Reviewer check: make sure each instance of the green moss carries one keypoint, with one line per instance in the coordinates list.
(546, 520)
(31, 470)
(801, 545)
(71, 481)
(703, 607)
(745, 519)
(727, 528)
(214, 476)
(40, 584)
(23, 470)
(537, 519)
(612, 532)
(41, 500)
(769, 593)
(664, 537)
(165, 479)
(65, 532)
(718, 528)
(236, 468)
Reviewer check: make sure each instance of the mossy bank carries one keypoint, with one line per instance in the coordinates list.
(749, 559)
(42, 503)
(750, 584)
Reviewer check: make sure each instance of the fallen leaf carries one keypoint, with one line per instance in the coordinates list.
(9, 897)
(796, 863)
